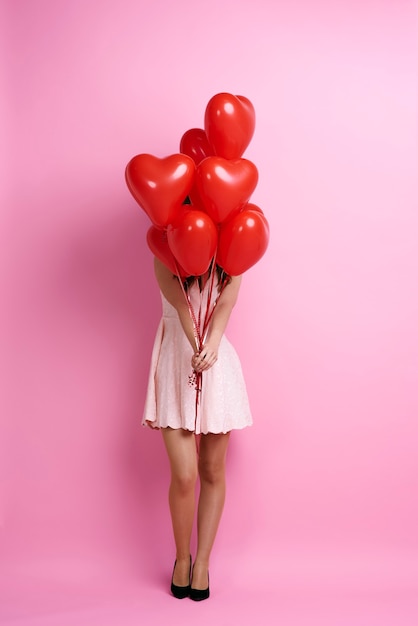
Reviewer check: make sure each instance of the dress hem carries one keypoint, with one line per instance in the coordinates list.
(209, 432)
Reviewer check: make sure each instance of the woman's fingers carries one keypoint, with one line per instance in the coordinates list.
(204, 360)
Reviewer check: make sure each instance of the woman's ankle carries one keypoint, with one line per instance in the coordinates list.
(200, 574)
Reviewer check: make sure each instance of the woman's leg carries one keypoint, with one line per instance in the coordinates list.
(212, 459)
(181, 449)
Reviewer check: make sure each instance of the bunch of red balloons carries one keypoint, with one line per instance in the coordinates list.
(219, 222)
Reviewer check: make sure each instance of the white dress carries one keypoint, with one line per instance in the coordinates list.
(171, 400)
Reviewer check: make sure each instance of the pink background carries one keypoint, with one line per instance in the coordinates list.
(321, 519)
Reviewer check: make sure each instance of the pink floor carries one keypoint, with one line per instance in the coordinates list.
(292, 590)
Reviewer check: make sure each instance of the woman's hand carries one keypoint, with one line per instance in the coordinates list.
(204, 359)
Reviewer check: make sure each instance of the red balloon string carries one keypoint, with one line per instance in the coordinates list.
(195, 379)
(199, 330)
(211, 278)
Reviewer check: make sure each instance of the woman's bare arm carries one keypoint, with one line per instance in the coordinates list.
(209, 353)
(172, 291)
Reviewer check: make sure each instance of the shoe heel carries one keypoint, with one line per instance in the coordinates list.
(176, 590)
(199, 594)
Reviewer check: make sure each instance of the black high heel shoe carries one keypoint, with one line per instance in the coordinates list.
(181, 592)
(199, 594)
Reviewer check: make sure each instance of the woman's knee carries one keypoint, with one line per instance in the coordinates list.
(212, 471)
(184, 481)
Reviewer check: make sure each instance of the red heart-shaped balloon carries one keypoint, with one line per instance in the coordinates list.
(158, 244)
(253, 207)
(195, 144)
(160, 185)
(229, 124)
(192, 239)
(225, 186)
(242, 241)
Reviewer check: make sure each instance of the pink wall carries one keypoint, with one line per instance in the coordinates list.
(327, 322)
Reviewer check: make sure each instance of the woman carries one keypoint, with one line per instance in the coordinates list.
(171, 406)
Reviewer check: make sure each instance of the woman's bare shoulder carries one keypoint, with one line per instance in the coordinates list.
(168, 283)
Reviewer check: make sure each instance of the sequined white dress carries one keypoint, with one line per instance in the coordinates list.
(171, 401)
